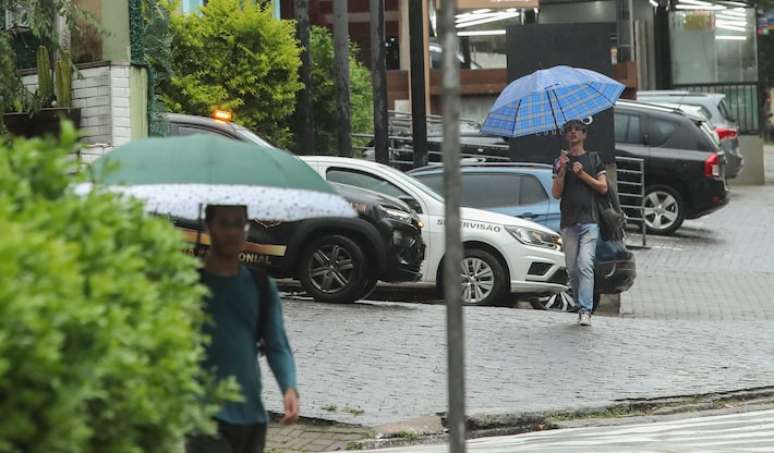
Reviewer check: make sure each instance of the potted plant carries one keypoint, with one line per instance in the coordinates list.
(42, 112)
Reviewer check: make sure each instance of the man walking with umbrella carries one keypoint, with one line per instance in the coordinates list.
(578, 177)
(243, 308)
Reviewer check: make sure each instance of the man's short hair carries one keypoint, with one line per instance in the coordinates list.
(209, 212)
(578, 123)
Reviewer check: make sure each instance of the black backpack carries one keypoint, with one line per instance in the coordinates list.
(261, 280)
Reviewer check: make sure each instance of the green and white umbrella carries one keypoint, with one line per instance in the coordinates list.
(179, 175)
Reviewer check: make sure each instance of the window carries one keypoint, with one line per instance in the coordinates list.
(724, 110)
(660, 131)
(365, 181)
(532, 191)
(192, 6)
(490, 190)
(628, 129)
(433, 181)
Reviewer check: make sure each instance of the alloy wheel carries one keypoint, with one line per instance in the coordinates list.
(478, 280)
(331, 268)
(661, 210)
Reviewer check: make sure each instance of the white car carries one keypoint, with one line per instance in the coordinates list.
(503, 254)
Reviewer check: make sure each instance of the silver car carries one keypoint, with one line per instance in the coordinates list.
(715, 108)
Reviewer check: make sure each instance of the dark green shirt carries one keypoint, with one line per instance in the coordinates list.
(232, 308)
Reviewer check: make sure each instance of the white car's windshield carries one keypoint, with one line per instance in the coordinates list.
(418, 185)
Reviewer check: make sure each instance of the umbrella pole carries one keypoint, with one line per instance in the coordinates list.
(199, 227)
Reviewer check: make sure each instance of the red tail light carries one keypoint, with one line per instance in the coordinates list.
(712, 166)
(725, 133)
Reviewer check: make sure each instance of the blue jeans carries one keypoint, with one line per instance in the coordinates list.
(580, 247)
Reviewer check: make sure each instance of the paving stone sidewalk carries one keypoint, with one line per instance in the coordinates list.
(388, 360)
(718, 267)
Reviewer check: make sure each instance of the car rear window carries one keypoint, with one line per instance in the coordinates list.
(725, 111)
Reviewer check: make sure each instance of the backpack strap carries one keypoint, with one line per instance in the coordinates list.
(264, 297)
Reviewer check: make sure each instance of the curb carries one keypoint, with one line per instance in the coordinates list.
(487, 425)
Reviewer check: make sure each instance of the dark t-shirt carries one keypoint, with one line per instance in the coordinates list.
(578, 197)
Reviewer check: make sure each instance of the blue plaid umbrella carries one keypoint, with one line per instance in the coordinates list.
(545, 100)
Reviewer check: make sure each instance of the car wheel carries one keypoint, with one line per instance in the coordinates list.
(559, 302)
(333, 269)
(484, 279)
(664, 210)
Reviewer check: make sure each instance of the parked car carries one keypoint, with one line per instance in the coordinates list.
(503, 254)
(715, 108)
(335, 259)
(684, 167)
(523, 190)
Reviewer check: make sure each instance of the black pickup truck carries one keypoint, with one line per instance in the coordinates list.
(335, 259)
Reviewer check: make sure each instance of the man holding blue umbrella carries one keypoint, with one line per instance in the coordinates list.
(578, 177)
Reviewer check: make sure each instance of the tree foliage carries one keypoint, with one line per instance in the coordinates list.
(235, 55)
(324, 91)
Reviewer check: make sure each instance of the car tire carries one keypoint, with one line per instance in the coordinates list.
(334, 269)
(664, 210)
(369, 284)
(485, 281)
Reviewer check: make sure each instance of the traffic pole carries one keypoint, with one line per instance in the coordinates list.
(379, 77)
(455, 329)
(341, 61)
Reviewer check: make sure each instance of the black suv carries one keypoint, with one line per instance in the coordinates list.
(684, 166)
(335, 259)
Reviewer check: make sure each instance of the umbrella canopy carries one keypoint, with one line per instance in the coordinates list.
(179, 175)
(547, 99)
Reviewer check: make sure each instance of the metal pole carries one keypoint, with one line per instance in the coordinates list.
(379, 76)
(341, 60)
(455, 329)
(305, 132)
(418, 95)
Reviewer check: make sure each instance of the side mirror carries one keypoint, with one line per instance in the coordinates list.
(413, 204)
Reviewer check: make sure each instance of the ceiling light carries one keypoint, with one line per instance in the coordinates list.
(731, 38)
(695, 2)
(497, 18)
(654, 3)
(700, 8)
(730, 27)
(481, 33)
(481, 11)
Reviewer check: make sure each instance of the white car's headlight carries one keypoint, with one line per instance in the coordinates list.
(536, 238)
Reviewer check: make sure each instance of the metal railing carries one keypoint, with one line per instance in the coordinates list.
(743, 100)
(630, 176)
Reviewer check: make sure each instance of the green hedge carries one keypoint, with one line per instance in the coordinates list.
(100, 319)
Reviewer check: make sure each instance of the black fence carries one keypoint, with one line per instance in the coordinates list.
(743, 100)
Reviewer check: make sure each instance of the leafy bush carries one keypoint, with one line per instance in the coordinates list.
(324, 92)
(235, 55)
(100, 322)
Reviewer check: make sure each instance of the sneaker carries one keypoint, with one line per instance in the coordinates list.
(585, 319)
